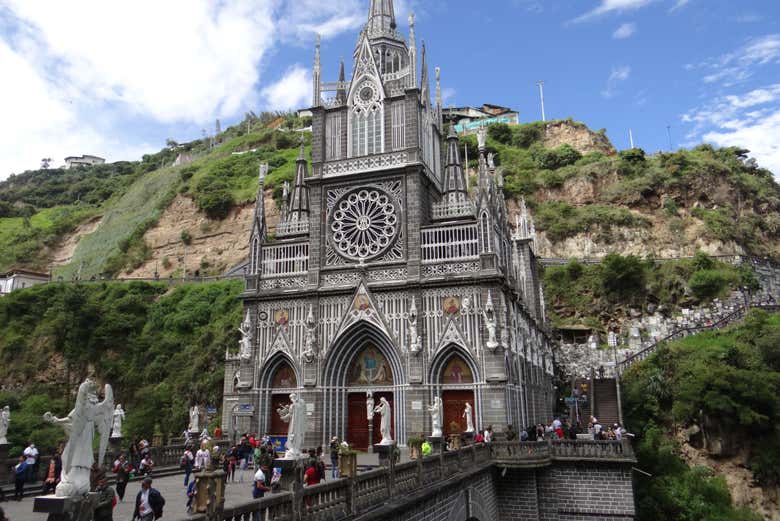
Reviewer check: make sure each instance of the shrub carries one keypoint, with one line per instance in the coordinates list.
(709, 283)
(500, 132)
(186, 238)
(215, 204)
(552, 159)
(526, 135)
(622, 276)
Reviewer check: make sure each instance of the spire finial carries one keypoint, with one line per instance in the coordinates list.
(316, 75)
(302, 153)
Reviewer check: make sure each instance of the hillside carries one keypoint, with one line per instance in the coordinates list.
(587, 199)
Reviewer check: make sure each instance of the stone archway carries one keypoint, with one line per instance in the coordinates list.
(278, 378)
(454, 375)
(470, 506)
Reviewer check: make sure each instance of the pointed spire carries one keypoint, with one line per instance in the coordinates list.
(259, 219)
(437, 71)
(299, 202)
(317, 76)
(341, 92)
(285, 200)
(483, 164)
(412, 53)
(381, 18)
(455, 186)
(424, 83)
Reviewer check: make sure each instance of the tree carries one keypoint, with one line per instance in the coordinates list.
(45, 162)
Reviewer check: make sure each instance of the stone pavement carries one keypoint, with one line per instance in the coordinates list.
(172, 489)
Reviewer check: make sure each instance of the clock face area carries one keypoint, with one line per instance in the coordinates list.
(364, 224)
(366, 94)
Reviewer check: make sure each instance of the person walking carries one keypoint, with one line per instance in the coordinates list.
(106, 498)
(149, 503)
(21, 471)
(122, 470)
(31, 455)
(334, 457)
(187, 463)
(260, 485)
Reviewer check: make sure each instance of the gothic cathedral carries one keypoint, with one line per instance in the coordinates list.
(386, 274)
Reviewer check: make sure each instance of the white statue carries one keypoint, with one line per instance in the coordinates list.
(384, 426)
(5, 419)
(78, 458)
(204, 435)
(295, 415)
(489, 314)
(119, 417)
(194, 419)
(310, 340)
(435, 410)
(469, 418)
(245, 344)
(415, 344)
(369, 405)
(491, 161)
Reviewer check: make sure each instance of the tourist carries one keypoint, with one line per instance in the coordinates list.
(334, 457)
(122, 469)
(187, 462)
(135, 459)
(479, 438)
(104, 511)
(147, 466)
(190, 497)
(267, 458)
(218, 433)
(31, 454)
(260, 486)
(524, 435)
(53, 474)
(312, 474)
(618, 432)
(426, 448)
(202, 457)
(596, 429)
(488, 436)
(21, 475)
(231, 464)
(149, 502)
(321, 462)
(225, 465)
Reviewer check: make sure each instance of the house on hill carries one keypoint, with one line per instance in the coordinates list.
(20, 279)
(469, 119)
(85, 160)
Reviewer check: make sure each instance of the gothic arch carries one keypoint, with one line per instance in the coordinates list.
(272, 365)
(444, 356)
(349, 345)
(470, 506)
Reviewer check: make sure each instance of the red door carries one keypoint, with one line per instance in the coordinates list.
(277, 425)
(357, 421)
(453, 405)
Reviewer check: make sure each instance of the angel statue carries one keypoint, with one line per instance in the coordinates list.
(119, 417)
(469, 418)
(5, 419)
(245, 344)
(489, 314)
(295, 414)
(384, 425)
(79, 425)
(435, 410)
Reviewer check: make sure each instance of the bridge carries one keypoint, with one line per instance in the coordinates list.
(544, 481)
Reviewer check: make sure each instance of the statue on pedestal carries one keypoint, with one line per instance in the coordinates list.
(369, 405)
(310, 340)
(384, 426)
(77, 458)
(295, 415)
(119, 417)
(469, 418)
(489, 314)
(245, 344)
(194, 419)
(435, 410)
(5, 420)
(415, 344)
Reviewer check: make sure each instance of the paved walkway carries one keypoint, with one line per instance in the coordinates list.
(172, 489)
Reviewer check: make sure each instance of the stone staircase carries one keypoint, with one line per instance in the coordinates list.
(605, 403)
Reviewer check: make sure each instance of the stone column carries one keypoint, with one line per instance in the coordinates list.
(210, 494)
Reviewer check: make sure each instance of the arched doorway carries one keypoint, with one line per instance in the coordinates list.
(455, 375)
(278, 380)
(362, 359)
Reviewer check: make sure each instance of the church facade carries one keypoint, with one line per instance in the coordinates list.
(386, 273)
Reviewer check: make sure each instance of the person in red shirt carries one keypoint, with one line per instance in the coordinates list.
(312, 475)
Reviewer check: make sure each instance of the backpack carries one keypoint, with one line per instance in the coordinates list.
(183, 461)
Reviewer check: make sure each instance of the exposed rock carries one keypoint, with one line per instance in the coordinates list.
(578, 136)
(63, 252)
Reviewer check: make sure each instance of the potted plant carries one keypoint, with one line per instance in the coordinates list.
(415, 445)
(347, 461)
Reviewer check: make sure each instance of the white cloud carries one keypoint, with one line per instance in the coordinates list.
(738, 66)
(679, 5)
(750, 120)
(624, 31)
(618, 75)
(293, 91)
(612, 6)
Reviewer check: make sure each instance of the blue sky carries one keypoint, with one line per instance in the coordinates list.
(117, 79)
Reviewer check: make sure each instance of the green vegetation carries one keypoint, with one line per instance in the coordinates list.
(728, 380)
(561, 220)
(161, 349)
(596, 293)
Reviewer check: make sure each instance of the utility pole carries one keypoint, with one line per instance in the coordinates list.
(541, 97)
(631, 137)
(669, 134)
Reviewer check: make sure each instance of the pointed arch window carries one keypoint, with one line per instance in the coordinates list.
(255, 257)
(366, 130)
(484, 232)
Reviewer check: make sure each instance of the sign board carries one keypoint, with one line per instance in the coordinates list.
(509, 119)
(309, 407)
(210, 409)
(416, 406)
(570, 400)
(495, 404)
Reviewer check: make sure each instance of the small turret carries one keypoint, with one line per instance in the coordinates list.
(299, 202)
(455, 185)
(317, 76)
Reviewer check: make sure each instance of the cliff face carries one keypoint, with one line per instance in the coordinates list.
(577, 136)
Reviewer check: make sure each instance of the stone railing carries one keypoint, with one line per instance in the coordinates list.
(368, 491)
(366, 163)
(448, 210)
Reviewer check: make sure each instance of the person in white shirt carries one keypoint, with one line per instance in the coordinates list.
(202, 457)
(31, 457)
(556, 424)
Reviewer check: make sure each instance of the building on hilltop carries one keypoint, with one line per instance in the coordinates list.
(468, 120)
(85, 160)
(385, 274)
(20, 279)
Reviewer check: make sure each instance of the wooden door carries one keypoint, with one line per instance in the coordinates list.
(277, 427)
(357, 421)
(453, 405)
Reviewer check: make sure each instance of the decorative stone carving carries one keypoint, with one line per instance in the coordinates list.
(245, 344)
(295, 415)
(415, 343)
(435, 410)
(491, 161)
(310, 347)
(467, 413)
(364, 224)
(119, 417)
(369, 405)
(450, 269)
(5, 420)
(489, 314)
(384, 426)
(194, 419)
(80, 424)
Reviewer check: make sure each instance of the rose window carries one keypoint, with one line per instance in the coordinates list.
(364, 224)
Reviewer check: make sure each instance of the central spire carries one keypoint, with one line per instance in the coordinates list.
(381, 18)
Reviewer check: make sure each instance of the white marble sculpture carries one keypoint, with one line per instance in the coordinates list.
(295, 415)
(194, 419)
(5, 420)
(310, 340)
(489, 314)
(469, 418)
(369, 405)
(80, 424)
(384, 426)
(245, 344)
(435, 410)
(119, 417)
(415, 344)
(204, 435)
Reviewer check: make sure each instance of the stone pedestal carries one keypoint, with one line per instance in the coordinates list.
(210, 493)
(67, 508)
(292, 473)
(386, 453)
(347, 465)
(468, 437)
(5, 470)
(370, 436)
(436, 444)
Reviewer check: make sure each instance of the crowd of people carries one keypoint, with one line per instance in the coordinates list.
(566, 430)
